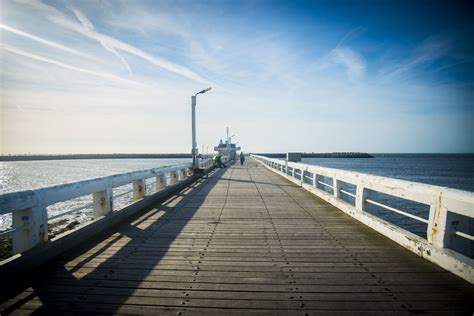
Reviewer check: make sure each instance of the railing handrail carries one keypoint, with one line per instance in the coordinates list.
(415, 191)
(444, 224)
(9, 202)
(29, 207)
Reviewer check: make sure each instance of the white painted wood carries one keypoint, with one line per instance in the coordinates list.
(139, 189)
(461, 201)
(29, 208)
(361, 195)
(160, 182)
(103, 202)
(174, 176)
(17, 201)
(336, 188)
(23, 237)
(464, 235)
(183, 174)
(32, 225)
(63, 192)
(436, 225)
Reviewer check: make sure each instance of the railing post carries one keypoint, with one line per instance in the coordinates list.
(139, 189)
(35, 223)
(439, 230)
(336, 187)
(319, 178)
(160, 182)
(315, 179)
(183, 174)
(103, 202)
(361, 195)
(174, 177)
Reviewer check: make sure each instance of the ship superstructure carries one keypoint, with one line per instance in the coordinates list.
(227, 148)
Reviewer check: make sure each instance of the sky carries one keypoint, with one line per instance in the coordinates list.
(116, 76)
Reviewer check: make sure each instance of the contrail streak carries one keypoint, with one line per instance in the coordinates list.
(108, 76)
(87, 24)
(178, 69)
(42, 40)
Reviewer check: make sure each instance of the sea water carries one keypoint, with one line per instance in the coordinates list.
(454, 171)
(26, 175)
(445, 170)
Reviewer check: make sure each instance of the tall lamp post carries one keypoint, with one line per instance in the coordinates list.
(194, 144)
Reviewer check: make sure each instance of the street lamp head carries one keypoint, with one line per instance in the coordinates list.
(204, 91)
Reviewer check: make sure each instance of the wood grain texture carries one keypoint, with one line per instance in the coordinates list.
(243, 242)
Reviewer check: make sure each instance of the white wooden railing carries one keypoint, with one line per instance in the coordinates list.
(449, 224)
(29, 208)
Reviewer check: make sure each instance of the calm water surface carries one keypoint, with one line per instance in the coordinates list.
(453, 171)
(25, 175)
(442, 170)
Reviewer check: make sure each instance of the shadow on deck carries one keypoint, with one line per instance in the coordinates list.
(243, 241)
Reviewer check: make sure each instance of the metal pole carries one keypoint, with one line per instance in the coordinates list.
(228, 150)
(194, 150)
(194, 144)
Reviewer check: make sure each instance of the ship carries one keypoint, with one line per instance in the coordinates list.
(227, 148)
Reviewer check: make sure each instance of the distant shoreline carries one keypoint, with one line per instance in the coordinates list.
(271, 155)
(166, 156)
(320, 155)
(93, 156)
(424, 155)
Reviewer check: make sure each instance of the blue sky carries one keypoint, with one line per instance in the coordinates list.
(117, 76)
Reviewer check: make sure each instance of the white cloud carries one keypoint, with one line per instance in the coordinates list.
(352, 61)
(349, 60)
(265, 81)
(428, 51)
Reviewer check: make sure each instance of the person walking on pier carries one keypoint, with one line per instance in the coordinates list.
(219, 162)
(242, 158)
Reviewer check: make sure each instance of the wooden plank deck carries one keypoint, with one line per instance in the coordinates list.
(245, 241)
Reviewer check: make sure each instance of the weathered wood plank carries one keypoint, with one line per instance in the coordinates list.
(240, 244)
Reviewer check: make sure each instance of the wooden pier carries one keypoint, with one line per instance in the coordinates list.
(244, 241)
